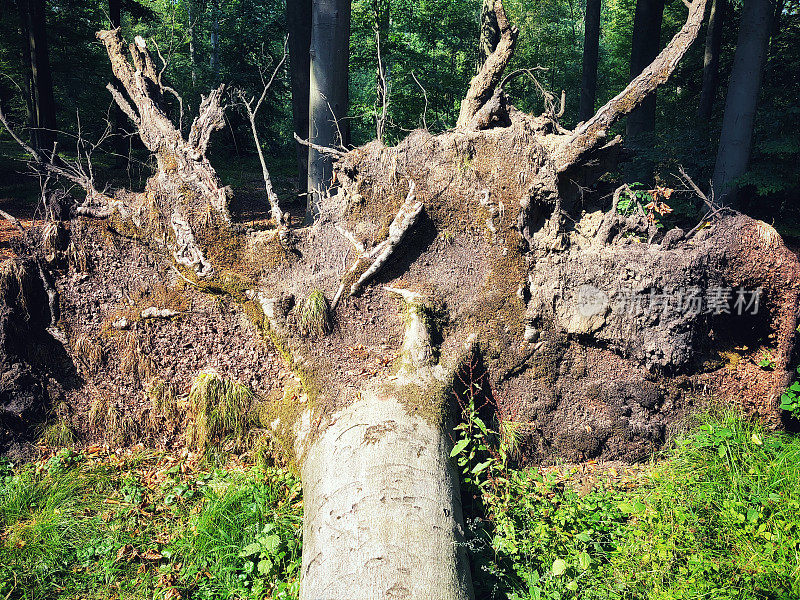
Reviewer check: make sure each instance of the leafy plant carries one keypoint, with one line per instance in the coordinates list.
(650, 202)
(766, 361)
(790, 399)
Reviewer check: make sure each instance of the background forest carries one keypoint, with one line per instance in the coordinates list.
(429, 50)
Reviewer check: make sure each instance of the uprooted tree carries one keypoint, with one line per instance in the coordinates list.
(479, 250)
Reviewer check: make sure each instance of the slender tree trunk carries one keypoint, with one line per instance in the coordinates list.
(740, 104)
(298, 21)
(214, 64)
(644, 48)
(777, 20)
(716, 22)
(191, 16)
(328, 97)
(25, 64)
(41, 83)
(117, 117)
(591, 51)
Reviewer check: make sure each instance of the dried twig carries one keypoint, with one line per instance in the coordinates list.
(425, 94)
(251, 107)
(318, 148)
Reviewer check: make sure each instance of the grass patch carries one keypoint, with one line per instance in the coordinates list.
(717, 516)
(218, 410)
(717, 519)
(315, 317)
(147, 526)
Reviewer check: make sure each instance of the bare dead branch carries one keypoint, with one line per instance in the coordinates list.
(403, 221)
(251, 107)
(209, 119)
(425, 94)
(383, 91)
(318, 148)
(594, 131)
(13, 220)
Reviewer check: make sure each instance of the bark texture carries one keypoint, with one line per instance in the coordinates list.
(708, 93)
(43, 106)
(298, 21)
(744, 85)
(644, 48)
(329, 97)
(591, 52)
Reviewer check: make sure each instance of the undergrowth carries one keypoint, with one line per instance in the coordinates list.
(147, 526)
(716, 516)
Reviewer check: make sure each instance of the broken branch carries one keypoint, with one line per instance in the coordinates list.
(594, 131)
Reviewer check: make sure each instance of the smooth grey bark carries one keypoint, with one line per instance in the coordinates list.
(328, 92)
(591, 51)
(736, 137)
(645, 46)
(389, 511)
(708, 93)
(298, 21)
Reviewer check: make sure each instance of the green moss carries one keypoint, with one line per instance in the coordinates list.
(430, 402)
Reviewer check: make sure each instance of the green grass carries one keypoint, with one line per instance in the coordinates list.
(146, 526)
(718, 518)
(219, 408)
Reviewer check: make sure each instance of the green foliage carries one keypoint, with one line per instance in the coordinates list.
(635, 200)
(790, 399)
(146, 526)
(766, 361)
(717, 519)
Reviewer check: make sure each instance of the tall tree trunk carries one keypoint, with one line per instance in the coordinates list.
(44, 106)
(117, 117)
(591, 51)
(716, 22)
(192, 16)
(214, 64)
(740, 104)
(644, 48)
(298, 21)
(328, 93)
(25, 69)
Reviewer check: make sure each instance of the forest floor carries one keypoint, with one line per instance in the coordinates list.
(716, 515)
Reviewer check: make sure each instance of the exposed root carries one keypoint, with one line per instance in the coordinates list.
(403, 221)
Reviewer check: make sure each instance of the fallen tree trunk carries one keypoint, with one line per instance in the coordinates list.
(482, 241)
